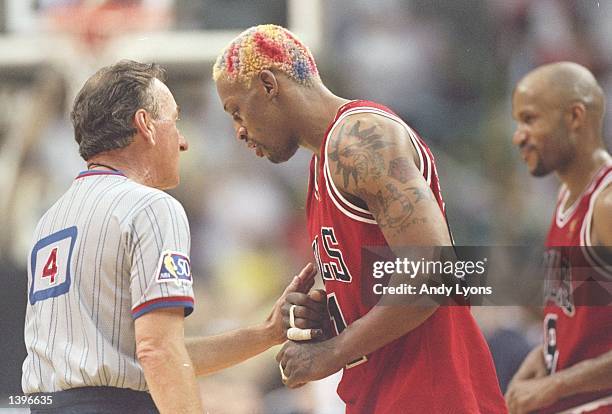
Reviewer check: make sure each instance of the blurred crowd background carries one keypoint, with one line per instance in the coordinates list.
(446, 66)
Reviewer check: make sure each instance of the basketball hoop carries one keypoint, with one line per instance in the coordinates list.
(94, 26)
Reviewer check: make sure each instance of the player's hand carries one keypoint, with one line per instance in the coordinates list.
(300, 284)
(307, 311)
(304, 362)
(525, 396)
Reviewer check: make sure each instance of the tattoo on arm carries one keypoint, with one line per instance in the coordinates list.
(399, 169)
(396, 207)
(358, 154)
(421, 194)
(355, 154)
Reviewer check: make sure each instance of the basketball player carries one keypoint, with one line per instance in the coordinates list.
(373, 182)
(109, 275)
(559, 113)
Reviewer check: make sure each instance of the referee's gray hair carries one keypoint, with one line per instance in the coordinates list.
(103, 110)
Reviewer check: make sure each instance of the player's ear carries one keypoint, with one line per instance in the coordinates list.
(268, 81)
(144, 125)
(577, 115)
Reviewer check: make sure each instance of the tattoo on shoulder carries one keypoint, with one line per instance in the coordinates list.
(355, 153)
(358, 155)
(399, 168)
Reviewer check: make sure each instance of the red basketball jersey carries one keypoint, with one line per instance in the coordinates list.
(443, 366)
(575, 328)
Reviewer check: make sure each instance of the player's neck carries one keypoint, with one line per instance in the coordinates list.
(580, 172)
(322, 109)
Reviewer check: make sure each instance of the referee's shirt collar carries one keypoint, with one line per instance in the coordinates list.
(89, 173)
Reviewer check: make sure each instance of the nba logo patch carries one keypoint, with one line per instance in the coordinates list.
(174, 267)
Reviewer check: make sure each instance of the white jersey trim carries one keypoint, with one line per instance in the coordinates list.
(562, 217)
(345, 211)
(316, 178)
(585, 232)
(327, 173)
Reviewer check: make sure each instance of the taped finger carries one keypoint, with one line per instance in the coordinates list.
(297, 334)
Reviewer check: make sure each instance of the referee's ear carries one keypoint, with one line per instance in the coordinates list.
(144, 125)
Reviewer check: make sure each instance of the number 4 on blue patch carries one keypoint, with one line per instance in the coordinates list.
(50, 265)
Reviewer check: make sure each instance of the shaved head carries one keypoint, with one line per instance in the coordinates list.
(559, 113)
(564, 83)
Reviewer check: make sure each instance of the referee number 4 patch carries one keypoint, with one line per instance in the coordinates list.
(174, 267)
(50, 265)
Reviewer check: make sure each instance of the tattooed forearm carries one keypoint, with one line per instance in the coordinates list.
(356, 155)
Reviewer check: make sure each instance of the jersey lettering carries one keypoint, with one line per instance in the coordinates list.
(335, 269)
(558, 279)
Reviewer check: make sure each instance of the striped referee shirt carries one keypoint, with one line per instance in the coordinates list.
(108, 251)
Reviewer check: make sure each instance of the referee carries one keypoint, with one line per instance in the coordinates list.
(109, 279)
(109, 282)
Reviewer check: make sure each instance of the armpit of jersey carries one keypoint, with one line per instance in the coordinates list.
(167, 302)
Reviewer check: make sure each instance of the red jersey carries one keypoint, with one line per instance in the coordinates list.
(444, 365)
(575, 328)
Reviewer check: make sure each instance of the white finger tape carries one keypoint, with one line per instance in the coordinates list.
(283, 376)
(297, 334)
(292, 316)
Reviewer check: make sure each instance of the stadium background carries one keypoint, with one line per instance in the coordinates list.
(447, 67)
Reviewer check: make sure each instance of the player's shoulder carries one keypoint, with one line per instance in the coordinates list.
(367, 119)
(603, 194)
(369, 135)
(602, 215)
(603, 202)
(365, 148)
(369, 125)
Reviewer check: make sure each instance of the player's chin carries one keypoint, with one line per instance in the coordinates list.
(539, 170)
(276, 160)
(280, 157)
